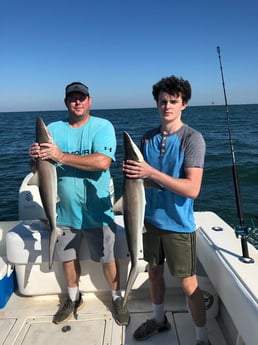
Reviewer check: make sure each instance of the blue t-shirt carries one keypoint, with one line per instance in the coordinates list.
(84, 195)
(171, 154)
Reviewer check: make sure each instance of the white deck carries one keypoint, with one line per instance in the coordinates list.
(28, 319)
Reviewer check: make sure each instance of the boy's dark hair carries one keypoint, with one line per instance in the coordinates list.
(173, 86)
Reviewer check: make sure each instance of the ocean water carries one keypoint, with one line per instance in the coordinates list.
(218, 192)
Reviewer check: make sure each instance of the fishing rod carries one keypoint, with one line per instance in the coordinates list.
(242, 231)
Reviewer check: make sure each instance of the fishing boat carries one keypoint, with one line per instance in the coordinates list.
(30, 293)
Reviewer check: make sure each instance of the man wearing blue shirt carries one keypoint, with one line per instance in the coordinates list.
(174, 158)
(84, 147)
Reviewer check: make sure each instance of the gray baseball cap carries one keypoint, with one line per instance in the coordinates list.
(76, 87)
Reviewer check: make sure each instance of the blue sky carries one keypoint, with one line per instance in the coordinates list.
(121, 48)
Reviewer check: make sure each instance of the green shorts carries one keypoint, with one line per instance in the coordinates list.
(178, 249)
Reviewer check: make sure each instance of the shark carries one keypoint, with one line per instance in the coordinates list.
(44, 176)
(132, 205)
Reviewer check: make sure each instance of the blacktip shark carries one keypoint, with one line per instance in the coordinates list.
(44, 176)
(132, 206)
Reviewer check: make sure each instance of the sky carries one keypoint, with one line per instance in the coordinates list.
(121, 48)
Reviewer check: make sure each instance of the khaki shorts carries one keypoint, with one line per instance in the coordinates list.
(100, 242)
(178, 249)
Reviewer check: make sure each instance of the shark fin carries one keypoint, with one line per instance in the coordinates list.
(119, 205)
(34, 180)
(57, 232)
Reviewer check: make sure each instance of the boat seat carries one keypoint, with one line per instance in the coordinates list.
(27, 248)
(28, 243)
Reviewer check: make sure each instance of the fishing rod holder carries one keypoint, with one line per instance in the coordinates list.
(243, 232)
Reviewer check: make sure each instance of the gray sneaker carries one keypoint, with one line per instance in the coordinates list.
(121, 313)
(66, 310)
(150, 328)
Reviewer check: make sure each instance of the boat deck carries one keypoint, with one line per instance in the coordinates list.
(27, 317)
(28, 320)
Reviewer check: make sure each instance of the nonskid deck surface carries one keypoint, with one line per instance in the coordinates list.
(28, 320)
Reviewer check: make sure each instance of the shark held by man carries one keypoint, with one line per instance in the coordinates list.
(132, 205)
(44, 176)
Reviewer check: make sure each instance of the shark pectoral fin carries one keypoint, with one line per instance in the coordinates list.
(34, 179)
(144, 230)
(118, 206)
(148, 183)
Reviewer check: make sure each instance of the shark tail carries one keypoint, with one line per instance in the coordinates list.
(131, 279)
(55, 233)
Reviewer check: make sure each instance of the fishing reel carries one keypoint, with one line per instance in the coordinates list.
(244, 231)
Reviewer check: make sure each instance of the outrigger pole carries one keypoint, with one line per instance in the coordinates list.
(243, 230)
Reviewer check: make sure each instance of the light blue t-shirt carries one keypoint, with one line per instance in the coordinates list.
(84, 196)
(171, 154)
